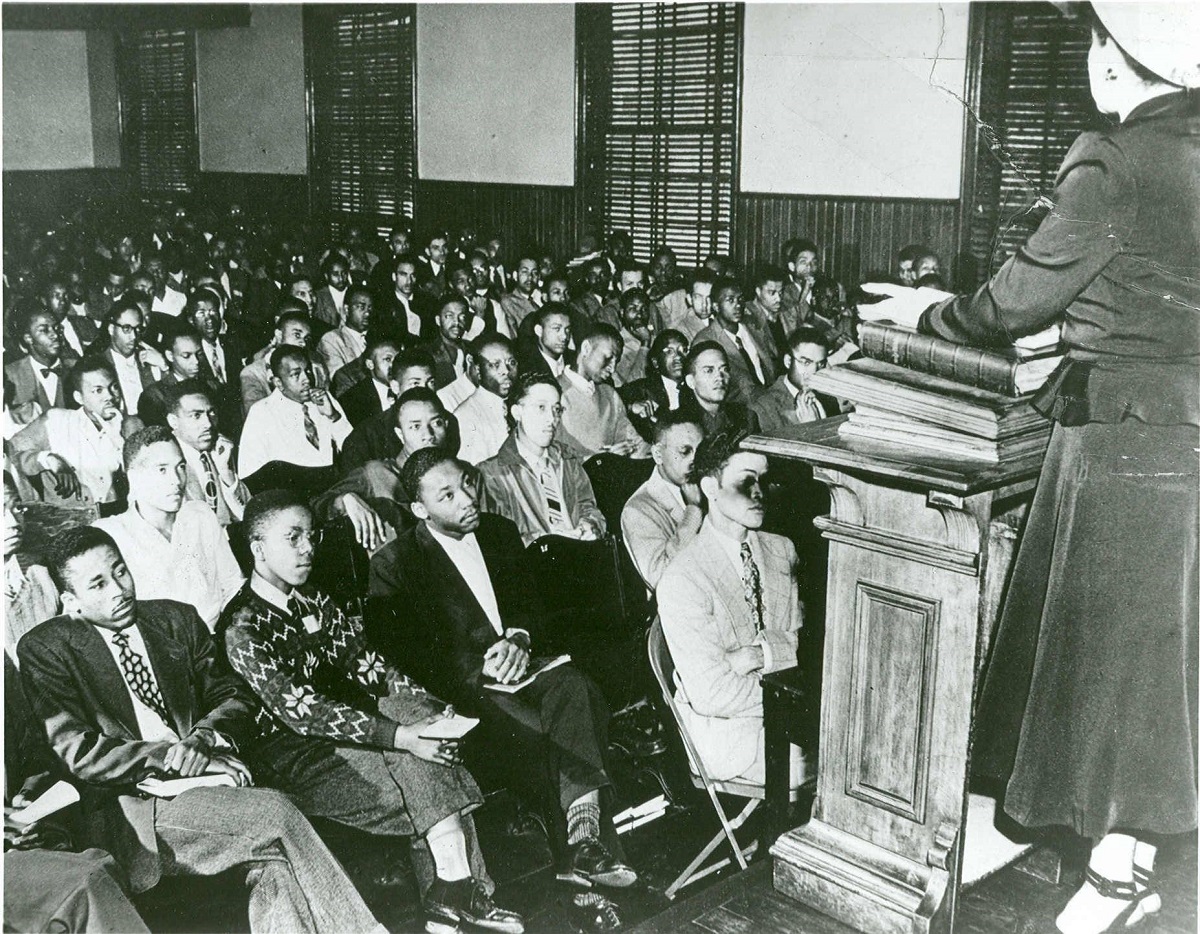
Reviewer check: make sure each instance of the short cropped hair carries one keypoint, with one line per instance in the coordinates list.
(420, 394)
(265, 506)
(673, 419)
(551, 308)
(292, 317)
(912, 252)
(602, 330)
(765, 274)
(419, 464)
(82, 368)
(201, 294)
(715, 451)
(725, 284)
(409, 357)
(527, 381)
(483, 342)
(689, 362)
(701, 274)
(806, 335)
(142, 439)
(799, 246)
(24, 317)
(70, 544)
(287, 352)
(175, 393)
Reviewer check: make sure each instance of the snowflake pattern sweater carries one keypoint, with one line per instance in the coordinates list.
(278, 657)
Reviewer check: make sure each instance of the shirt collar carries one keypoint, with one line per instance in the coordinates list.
(451, 544)
(733, 548)
(531, 456)
(793, 389)
(668, 488)
(269, 592)
(585, 385)
(557, 367)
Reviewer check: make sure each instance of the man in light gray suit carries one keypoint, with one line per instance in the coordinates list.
(730, 610)
(664, 514)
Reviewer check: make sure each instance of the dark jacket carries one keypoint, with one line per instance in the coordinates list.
(424, 618)
(78, 692)
(1116, 260)
(360, 401)
(374, 439)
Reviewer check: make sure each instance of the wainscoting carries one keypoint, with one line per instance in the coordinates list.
(42, 197)
(284, 197)
(857, 235)
(523, 216)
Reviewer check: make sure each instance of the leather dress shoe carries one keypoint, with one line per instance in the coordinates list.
(599, 915)
(592, 864)
(447, 904)
(638, 733)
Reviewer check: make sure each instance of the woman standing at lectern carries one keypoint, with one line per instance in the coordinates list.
(1088, 705)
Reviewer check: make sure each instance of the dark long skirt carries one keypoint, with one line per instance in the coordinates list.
(1088, 706)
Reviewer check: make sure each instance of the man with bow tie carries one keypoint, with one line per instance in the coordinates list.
(40, 375)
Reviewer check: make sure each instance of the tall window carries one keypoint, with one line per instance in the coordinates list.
(158, 108)
(361, 65)
(660, 122)
(1033, 102)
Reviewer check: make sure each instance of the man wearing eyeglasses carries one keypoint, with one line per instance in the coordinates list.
(136, 364)
(788, 401)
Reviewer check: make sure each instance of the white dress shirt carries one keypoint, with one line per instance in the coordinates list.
(339, 300)
(172, 303)
(228, 493)
(48, 381)
(481, 426)
(733, 548)
(195, 566)
(743, 335)
(672, 389)
(150, 724)
(557, 367)
(274, 431)
(411, 318)
(71, 336)
(216, 359)
(468, 559)
(129, 375)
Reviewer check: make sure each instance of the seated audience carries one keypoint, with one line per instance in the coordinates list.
(637, 334)
(664, 274)
(431, 265)
(397, 307)
(519, 303)
(665, 512)
(49, 883)
(41, 374)
(378, 437)
(128, 689)
(449, 358)
(80, 448)
(293, 328)
(341, 731)
(658, 392)
(533, 480)
(211, 476)
(373, 395)
(927, 263)
(694, 314)
(297, 424)
(788, 401)
(78, 330)
(460, 580)
(482, 422)
(751, 369)
(420, 422)
(905, 273)
(730, 609)
(221, 359)
(330, 303)
(135, 363)
(595, 280)
(707, 377)
(764, 312)
(593, 415)
(174, 547)
(348, 341)
(546, 353)
(183, 355)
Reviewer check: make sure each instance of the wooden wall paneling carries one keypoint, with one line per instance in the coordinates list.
(857, 236)
(43, 197)
(522, 215)
(284, 197)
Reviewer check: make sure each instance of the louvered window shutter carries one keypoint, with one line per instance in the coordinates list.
(662, 123)
(1034, 95)
(362, 67)
(158, 109)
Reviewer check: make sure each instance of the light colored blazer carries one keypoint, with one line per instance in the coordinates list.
(702, 605)
(656, 525)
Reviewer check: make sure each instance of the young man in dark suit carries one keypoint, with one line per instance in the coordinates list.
(129, 690)
(460, 580)
(371, 396)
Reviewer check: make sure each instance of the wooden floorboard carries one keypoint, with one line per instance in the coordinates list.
(1010, 902)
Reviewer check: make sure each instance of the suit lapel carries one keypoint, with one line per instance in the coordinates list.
(459, 595)
(106, 684)
(170, 664)
(727, 583)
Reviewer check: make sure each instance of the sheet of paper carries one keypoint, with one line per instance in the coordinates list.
(55, 798)
(454, 727)
(173, 787)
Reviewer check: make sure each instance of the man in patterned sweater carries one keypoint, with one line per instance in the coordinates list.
(342, 732)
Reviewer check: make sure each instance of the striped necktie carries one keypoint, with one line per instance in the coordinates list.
(555, 511)
(752, 582)
(310, 429)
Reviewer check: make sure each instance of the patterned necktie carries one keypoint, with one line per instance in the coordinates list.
(210, 481)
(752, 582)
(215, 359)
(138, 677)
(310, 429)
(550, 490)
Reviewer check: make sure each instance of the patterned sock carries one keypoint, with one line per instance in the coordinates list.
(589, 899)
(583, 821)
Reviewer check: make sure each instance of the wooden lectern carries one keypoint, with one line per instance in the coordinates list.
(919, 552)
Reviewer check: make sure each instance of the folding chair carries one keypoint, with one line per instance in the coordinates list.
(664, 672)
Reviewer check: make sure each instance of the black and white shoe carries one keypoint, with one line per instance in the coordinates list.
(466, 901)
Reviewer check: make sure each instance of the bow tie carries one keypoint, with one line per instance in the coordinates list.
(48, 371)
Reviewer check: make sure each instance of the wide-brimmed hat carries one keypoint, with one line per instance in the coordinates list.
(1162, 37)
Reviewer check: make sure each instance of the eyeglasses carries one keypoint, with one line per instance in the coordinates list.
(815, 364)
(296, 536)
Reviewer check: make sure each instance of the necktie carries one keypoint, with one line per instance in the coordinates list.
(310, 429)
(752, 582)
(210, 481)
(48, 371)
(747, 359)
(138, 677)
(554, 504)
(215, 359)
(808, 409)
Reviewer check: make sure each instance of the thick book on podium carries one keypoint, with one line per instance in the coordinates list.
(1010, 371)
